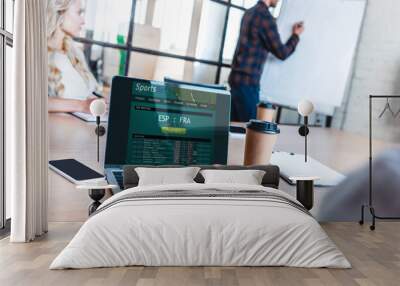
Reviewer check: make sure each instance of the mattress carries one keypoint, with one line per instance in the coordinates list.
(201, 225)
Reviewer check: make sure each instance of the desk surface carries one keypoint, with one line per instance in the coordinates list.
(71, 137)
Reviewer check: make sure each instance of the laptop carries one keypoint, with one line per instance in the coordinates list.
(156, 123)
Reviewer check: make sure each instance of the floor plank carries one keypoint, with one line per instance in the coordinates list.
(375, 257)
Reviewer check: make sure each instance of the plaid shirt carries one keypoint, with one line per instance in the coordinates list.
(258, 36)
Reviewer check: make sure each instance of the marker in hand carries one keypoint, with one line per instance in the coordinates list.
(298, 28)
(97, 94)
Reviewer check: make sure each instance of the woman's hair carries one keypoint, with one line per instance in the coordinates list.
(55, 18)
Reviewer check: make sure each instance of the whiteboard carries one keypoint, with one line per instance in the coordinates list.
(320, 68)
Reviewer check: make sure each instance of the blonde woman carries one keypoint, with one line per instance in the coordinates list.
(71, 83)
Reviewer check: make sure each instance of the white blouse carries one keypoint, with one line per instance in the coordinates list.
(75, 86)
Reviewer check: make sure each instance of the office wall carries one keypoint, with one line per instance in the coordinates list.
(376, 71)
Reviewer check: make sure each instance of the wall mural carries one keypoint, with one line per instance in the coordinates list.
(79, 72)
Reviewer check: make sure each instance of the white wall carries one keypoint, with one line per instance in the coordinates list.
(377, 71)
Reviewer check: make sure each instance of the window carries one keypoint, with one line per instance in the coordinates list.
(224, 75)
(96, 26)
(211, 31)
(105, 63)
(232, 34)
(6, 40)
(244, 3)
(148, 35)
(199, 36)
(157, 67)
(173, 19)
(183, 39)
(141, 11)
(9, 15)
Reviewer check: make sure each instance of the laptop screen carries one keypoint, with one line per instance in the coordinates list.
(152, 123)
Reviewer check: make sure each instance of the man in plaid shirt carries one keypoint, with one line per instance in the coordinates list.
(258, 37)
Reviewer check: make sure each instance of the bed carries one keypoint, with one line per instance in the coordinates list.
(199, 224)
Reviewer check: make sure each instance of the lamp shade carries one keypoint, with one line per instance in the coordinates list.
(305, 107)
(98, 107)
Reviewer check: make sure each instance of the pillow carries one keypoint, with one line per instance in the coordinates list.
(166, 176)
(248, 177)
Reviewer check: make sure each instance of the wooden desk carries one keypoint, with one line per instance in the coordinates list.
(71, 137)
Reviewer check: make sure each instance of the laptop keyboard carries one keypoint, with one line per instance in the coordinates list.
(119, 176)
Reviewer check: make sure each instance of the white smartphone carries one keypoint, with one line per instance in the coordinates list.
(75, 171)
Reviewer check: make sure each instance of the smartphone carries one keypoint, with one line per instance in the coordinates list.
(74, 171)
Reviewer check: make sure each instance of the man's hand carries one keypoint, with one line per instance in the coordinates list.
(298, 28)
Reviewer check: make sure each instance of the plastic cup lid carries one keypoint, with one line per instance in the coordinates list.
(266, 104)
(263, 126)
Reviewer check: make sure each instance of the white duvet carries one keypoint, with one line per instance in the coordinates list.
(200, 231)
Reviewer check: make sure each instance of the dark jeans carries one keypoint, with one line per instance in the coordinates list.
(244, 102)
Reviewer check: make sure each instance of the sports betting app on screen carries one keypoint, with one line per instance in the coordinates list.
(171, 124)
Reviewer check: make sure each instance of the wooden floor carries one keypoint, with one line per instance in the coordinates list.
(375, 257)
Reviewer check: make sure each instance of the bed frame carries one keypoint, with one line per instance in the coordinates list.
(270, 179)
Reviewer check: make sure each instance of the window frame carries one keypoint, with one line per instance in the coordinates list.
(6, 39)
(220, 64)
(129, 48)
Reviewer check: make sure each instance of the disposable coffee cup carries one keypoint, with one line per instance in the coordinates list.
(261, 137)
(266, 111)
